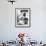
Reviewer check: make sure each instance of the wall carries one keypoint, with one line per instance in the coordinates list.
(37, 31)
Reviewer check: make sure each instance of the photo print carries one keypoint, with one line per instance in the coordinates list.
(22, 17)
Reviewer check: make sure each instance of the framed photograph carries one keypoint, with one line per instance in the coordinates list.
(22, 17)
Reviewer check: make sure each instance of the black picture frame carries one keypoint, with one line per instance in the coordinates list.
(22, 17)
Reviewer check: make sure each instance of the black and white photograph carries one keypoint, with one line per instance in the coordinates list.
(23, 17)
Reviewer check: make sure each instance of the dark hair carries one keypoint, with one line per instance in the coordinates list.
(24, 14)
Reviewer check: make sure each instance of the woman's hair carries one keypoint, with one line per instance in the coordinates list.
(24, 14)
